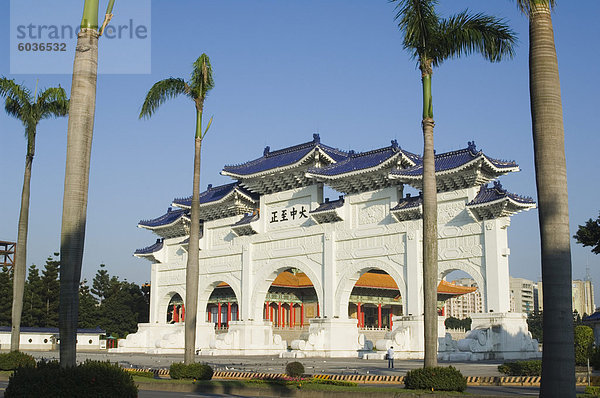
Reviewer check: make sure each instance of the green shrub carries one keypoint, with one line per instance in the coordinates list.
(90, 379)
(522, 368)
(15, 359)
(435, 379)
(592, 391)
(332, 382)
(595, 359)
(196, 371)
(294, 369)
(584, 344)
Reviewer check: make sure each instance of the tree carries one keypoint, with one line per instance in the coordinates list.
(5, 295)
(88, 308)
(558, 378)
(589, 234)
(432, 40)
(535, 323)
(50, 292)
(584, 344)
(77, 173)
(196, 89)
(30, 109)
(33, 301)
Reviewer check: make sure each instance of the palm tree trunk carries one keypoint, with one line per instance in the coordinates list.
(430, 244)
(558, 361)
(20, 267)
(79, 146)
(193, 262)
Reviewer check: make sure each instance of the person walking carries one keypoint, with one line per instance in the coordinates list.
(390, 357)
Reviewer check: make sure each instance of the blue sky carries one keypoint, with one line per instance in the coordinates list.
(284, 70)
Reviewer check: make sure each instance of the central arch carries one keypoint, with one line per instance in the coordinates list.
(207, 286)
(445, 267)
(352, 273)
(268, 273)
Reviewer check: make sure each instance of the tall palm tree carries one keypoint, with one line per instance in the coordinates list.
(77, 173)
(196, 89)
(30, 110)
(558, 360)
(432, 40)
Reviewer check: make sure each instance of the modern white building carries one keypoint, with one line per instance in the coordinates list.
(522, 295)
(582, 295)
(463, 306)
(273, 219)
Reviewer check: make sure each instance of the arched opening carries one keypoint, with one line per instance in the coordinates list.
(222, 306)
(175, 309)
(374, 300)
(291, 300)
(459, 296)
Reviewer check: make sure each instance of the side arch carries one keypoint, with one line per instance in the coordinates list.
(265, 277)
(208, 283)
(164, 301)
(444, 268)
(348, 279)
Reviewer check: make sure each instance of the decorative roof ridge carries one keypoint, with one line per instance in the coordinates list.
(329, 205)
(170, 212)
(267, 153)
(152, 248)
(502, 194)
(209, 189)
(408, 202)
(247, 219)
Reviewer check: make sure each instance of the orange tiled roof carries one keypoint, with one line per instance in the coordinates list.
(450, 288)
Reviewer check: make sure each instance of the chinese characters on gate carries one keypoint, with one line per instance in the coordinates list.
(287, 214)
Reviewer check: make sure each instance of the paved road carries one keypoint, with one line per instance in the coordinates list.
(270, 364)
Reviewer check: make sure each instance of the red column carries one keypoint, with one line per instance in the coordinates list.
(379, 316)
(237, 312)
(283, 313)
(358, 314)
(209, 314)
(292, 316)
(228, 313)
(182, 313)
(302, 315)
(175, 314)
(391, 322)
(267, 311)
(218, 315)
(279, 314)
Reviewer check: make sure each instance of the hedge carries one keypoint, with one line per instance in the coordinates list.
(15, 359)
(294, 369)
(436, 379)
(522, 368)
(88, 380)
(196, 371)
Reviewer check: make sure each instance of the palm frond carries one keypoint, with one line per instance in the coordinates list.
(53, 102)
(202, 80)
(13, 108)
(465, 33)
(8, 88)
(418, 22)
(526, 5)
(161, 92)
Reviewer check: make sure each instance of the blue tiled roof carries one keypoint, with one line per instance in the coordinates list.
(27, 329)
(170, 217)
(487, 194)
(363, 160)
(283, 157)
(329, 205)
(152, 248)
(213, 194)
(409, 202)
(594, 317)
(450, 160)
(247, 219)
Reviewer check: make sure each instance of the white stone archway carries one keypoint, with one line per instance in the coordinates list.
(164, 301)
(348, 279)
(268, 273)
(208, 285)
(444, 268)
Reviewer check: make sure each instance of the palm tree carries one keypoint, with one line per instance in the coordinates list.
(558, 360)
(196, 89)
(30, 110)
(77, 173)
(432, 40)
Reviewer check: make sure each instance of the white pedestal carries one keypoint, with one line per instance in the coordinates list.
(330, 338)
(246, 338)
